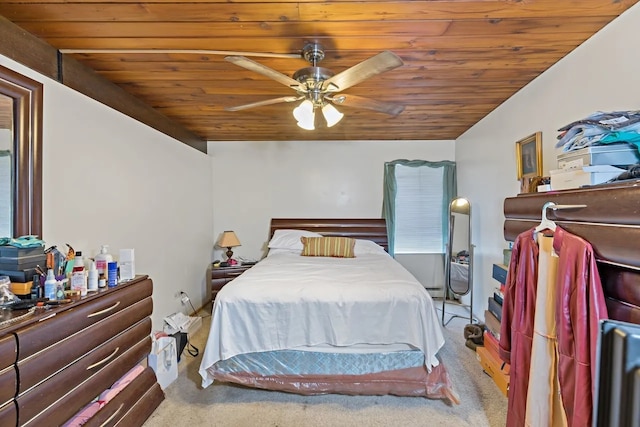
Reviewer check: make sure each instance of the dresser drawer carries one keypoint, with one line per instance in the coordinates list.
(8, 384)
(35, 337)
(42, 365)
(143, 408)
(8, 415)
(118, 407)
(69, 390)
(217, 284)
(220, 276)
(8, 351)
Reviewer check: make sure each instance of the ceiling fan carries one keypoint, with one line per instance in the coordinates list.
(320, 88)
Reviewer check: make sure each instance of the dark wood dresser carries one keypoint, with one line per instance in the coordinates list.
(220, 276)
(54, 363)
(608, 217)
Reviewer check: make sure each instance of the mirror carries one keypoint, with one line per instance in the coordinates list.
(459, 256)
(20, 155)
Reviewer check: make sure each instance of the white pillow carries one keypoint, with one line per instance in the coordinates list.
(363, 247)
(290, 239)
(280, 251)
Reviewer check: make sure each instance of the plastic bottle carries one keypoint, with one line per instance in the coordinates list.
(79, 275)
(112, 274)
(50, 285)
(35, 286)
(92, 285)
(102, 261)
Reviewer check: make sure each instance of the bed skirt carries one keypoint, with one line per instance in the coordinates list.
(413, 381)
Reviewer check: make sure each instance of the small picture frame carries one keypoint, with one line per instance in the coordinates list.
(529, 156)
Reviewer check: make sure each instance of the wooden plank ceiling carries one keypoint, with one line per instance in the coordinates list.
(462, 58)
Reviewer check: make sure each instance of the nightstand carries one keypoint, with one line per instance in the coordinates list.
(220, 276)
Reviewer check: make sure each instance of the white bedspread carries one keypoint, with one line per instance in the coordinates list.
(460, 272)
(288, 301)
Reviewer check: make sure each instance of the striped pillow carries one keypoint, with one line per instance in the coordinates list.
(340, 247)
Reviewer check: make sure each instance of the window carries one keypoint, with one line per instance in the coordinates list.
(418, 225)
(416, 199)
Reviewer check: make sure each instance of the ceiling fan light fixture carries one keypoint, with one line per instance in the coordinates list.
(306, 125)
(303, 111)
(331, 114)
(305, 115)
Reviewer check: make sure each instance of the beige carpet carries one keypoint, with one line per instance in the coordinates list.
(187, 404)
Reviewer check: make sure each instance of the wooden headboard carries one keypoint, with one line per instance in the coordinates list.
(609, 220)
(374, 229)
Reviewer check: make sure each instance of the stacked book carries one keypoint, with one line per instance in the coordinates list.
(488, 355)
(21, 264)
(493, 313)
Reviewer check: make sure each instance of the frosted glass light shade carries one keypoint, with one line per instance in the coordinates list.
(331, 115)
(304, 115)
(303, 111)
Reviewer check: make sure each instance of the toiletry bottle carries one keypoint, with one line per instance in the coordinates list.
(78, 275)
(102, 260)
(93, 278)
(50, 285)
(127, 264)
(112, 274)
(34, 286)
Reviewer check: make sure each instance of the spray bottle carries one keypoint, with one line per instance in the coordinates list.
(50, 285)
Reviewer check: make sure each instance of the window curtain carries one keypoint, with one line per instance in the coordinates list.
(449, 192)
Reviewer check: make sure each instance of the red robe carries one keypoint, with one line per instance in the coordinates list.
(516, 327)
(581, 306)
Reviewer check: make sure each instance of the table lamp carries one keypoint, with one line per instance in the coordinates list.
(229, 240)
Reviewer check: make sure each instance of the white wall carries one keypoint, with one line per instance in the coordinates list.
(257, 181)
(602, 74)
(109, 179)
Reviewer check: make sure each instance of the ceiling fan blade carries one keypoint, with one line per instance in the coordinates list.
(257, 67)
(382, 62)
(266, 102)
(370, 104)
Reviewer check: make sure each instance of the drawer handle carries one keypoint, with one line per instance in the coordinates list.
(106, 310)
(105, 360)
(112, 416)
(235, 274)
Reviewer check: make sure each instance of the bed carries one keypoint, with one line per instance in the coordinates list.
(359, 325)
(459, 277)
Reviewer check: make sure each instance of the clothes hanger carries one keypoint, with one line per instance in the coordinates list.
(546, 223)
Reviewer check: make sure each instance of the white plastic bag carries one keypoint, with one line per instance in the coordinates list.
(163, 359)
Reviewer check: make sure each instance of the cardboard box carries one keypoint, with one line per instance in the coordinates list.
(493, 367)
(500, 272)
(587, 175)
(21, 289)
(622, 154)
(506, 257)
(493, 346)
(492, 323)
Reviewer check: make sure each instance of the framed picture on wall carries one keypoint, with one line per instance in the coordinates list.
(529, 156)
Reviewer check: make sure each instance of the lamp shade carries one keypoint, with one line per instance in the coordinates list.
(304, 114)
(331, 115)
(228, 240)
